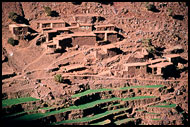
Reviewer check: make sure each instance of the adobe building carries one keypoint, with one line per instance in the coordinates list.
(85, 27)
(83, 38)
(134, 69)
(174, 58)
(109, 36)
(50, 34)
(86, 18)
(109, 27)
(62, 41)
(160, 68)
(18, 30)
(49, 24)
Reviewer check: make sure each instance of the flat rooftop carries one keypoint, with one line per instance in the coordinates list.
(85, 24)
(61, 37)
(18, 25)
(161, 65)
(50, 31)
(50, 21)
(77, 34)
(108, 25)
(62, 28)
(156, 60)
(104, 32)
(136, 64)
(172, 55)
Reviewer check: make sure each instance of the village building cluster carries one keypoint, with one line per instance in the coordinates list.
(86, 30)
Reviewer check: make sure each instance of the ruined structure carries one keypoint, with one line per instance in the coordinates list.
(18, 30)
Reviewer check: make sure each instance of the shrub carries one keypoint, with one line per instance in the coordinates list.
(150, 7)
(48, 11)
(13, 16)
(11, 41)
(170, 12)
(58, 78)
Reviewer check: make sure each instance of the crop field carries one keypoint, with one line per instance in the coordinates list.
(90, 91)
(33, 115)
(9, 102)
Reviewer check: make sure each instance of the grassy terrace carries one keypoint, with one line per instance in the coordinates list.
(24, 112)
(30, 117)
(102, 122)
(119, 122)
(9, 102)
(88, 119)
(89, 92)
(101, 90)
(165, 106)
(137, 98)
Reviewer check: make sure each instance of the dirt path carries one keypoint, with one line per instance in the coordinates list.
(24, 69)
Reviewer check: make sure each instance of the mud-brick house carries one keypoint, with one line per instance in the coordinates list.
(109, 27)
(49, 24)
(62, 41)
(174, 58)
(18, 30)
(86, 18)
(50, 34)
(83, 38)
(160, 68)
(85, 27)
(134, 69)
(108, 36)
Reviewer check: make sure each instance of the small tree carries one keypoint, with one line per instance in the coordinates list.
(58, 78)
(48, 11)
(11, 41)
(13, 16)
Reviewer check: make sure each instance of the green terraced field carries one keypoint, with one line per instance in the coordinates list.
(9, 102)
(88, 119)
(29, 117)
(89, 92)
(165, 106)
(25, 112)
(137, 97)
(119, 122)
(150, 86)
(102, 122)
(101, 90)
